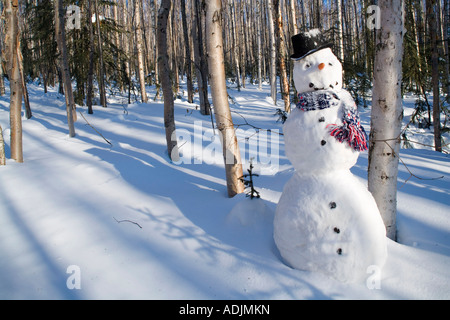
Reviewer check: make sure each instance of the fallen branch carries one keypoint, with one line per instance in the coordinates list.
(119, 221)
(96, 130)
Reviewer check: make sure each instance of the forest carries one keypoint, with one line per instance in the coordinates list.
(128, 75)
(119, 52)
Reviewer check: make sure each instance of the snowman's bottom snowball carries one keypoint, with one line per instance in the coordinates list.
(330, 223)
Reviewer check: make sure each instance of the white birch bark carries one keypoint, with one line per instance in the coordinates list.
(231, 152)
(340, 31)
(101, 77)
(235, 44)
(140, 49)
(12, 36)
(2, 148)
(258, 40)
(432, 12)
(273, 53)
(387, 113)
(163, 62)
(2, 83)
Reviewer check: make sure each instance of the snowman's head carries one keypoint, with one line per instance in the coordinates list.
(320, 70)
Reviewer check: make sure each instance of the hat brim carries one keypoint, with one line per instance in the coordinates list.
(297, 56)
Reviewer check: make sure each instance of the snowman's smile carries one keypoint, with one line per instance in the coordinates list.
(311, 85)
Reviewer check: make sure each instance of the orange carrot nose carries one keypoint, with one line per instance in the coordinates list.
(321, 66)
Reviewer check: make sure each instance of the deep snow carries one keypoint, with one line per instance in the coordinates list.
(137, 226)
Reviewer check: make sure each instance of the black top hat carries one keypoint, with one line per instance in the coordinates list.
(306, 43)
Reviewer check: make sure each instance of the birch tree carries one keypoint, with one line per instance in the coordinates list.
(2, 83)
(340, 31)
(432, 12)
(12, 45)
(140, 49)
(387, 113)
(258, 41)
(235, 44)
(200, 61)
(190, 86)
(169, 118)
(101, 76)
(90, 80)
(284, 82)
(231, 153)
(273, 53)
(64, 65)
(2, 148)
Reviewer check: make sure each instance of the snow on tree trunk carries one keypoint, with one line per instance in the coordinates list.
(169, 118)
(64, 65)
(387, 113)
(231, 153)
(12, 44)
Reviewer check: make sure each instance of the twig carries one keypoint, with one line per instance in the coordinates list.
(404, 164)
(251, 125)
(95, 130)
(119, 221)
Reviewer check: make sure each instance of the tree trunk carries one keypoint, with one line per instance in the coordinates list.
(90, 82)
(447, 45)
(293, 17)
(232, 158)
(235, 45)
(157, 85)
(284, 82)
(101, 77)
(432, 12)
(273, 53)
(169, 119)
(340, 31)
(190, 86)
(2, 82)
(26, 98)
(64, 65)
(12, 44)
(140, 49)
(387, 113)
(200, 61)
(258, 40)
(2, 148)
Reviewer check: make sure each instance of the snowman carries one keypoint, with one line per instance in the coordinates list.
(326, 219)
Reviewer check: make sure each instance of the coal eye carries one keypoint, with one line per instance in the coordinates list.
(307, 65)
(330, 63)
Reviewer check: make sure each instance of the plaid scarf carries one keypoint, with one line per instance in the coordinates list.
(351, 129)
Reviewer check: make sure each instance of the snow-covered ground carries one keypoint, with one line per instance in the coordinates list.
(83, 219)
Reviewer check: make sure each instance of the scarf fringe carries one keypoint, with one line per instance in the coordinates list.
(351, 129)
(355, 135)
